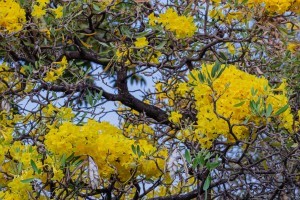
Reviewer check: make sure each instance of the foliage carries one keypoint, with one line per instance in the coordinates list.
(207, 94)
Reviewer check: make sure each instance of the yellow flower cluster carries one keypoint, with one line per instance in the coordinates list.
(277, 6)
(110, 149)
(17, 190)
(182, 26)
(54, 74)
(141, 42)
(39, 8)
(293, 47)
(17, 167)
(12, 16)
(62, 113)
(175, 117)
(58, 12)
(238, 97)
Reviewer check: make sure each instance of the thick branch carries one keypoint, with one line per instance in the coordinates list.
(129, 100)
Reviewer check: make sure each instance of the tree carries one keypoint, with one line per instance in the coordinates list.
(205, 94)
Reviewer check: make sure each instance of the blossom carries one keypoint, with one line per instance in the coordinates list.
(63, 62)
(182, 89)
(58, 12)
(54, 74)
(175, 117)
(43, 2)
(141, 42)
(50, 77)
(38, 11)
(93, 138)
(12, 16)
(231, 48)
(182, 26)
(278, 6)
(292, 47)
(152, 19)
(231, 96)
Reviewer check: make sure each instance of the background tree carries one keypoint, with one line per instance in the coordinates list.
(207, 94)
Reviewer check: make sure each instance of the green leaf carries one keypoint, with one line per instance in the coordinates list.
(282, 110)
(143, 34)
(138, 150)
(187, 156)
(244, 1)
(34, 167)
(276, 144)
(82, 118)
(215, 69)
(100, 95)
(28, 68)
(195, 162)
(54, 94)
(213, 165)
(201, 77)
(27, 180)
(207, 183)
(222, 55)
(201, 160)
(125, 31)
(89, 98)
(191, 74)
(133, 149)
(239, 104)
(63, 159)
(269, 110)
(253, 91)
(161, 45)
(207, 156)
(70, 157)
(253, 106)
(246, 120)
(20, 165)
(295, 145)
(96, 7)
(78, 162)
(220, 72)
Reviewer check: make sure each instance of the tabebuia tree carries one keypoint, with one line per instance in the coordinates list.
(123, 99)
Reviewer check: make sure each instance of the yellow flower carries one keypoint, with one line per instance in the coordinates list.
(54, 74)
(50, 77)
(231, 48)
(155, 57)
(175, 117)
(292, 47)
(12, 16)
(182, 89)
(141, 42)
(43, 2)
(38, 11)
(63, 62)
(182, 26)
(58, 12)
(217, 1)
(58, 174)
(152, 19)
